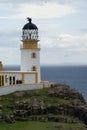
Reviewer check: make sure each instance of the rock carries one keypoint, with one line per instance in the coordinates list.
(21, 106)
(1, 99)
(51, 93)
(36, 93)
(42, 109)
(38, 107)
(76, 102)
(43, 119)
(1, 116)
(1, 106)
(35, 103)
(21, 119)
(28, 94)
(21, 113)
(9, 119)
(65, 92)
(11, 106)
(18, 94)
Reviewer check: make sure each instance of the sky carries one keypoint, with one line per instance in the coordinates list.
(62, 28)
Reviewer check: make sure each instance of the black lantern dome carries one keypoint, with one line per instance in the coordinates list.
(30, 25)
(30, 31)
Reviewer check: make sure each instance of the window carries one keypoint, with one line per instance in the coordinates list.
(34, 68)
(13, 80)
(33, 55)
(18, 81)
(10, 80)
(2, 80)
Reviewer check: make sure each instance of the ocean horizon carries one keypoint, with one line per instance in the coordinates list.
(75, 76)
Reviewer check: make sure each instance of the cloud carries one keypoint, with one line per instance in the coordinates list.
(49, 10)
(9, 55)
(73, 41)
(3, 17)
(63, 57)
(56, 20)
(42, 1)
(46, 10)
(9, 38)
(66, 41)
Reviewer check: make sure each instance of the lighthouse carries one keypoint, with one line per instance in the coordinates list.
(29, 75)
(30, 51)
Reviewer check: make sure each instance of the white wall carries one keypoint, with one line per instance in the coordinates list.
(29, 78)
(11, 89)
(27, 61)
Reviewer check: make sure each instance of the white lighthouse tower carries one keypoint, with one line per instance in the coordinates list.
(30, 51)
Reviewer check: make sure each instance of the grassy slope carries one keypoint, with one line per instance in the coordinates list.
(10, 100)
(41, 126)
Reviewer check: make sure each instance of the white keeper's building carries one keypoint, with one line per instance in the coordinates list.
(30, 60)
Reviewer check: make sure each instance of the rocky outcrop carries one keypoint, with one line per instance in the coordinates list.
(25, 94)
(38, 108)
(52, 105)
(64, 91)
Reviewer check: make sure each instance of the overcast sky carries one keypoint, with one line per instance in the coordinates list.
(62, 30)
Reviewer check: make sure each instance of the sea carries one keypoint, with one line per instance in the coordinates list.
(74, 76)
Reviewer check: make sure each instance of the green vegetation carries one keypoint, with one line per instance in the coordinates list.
(55, 108)
(41, 126)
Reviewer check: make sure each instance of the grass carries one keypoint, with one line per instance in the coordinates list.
(32, 125)
(9, 99)
(41, 126)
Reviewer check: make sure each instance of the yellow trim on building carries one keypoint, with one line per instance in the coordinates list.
(22, 78)
(32, 44)
(1, 66)
(18, 72)
(29, 49)
(36, 78)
